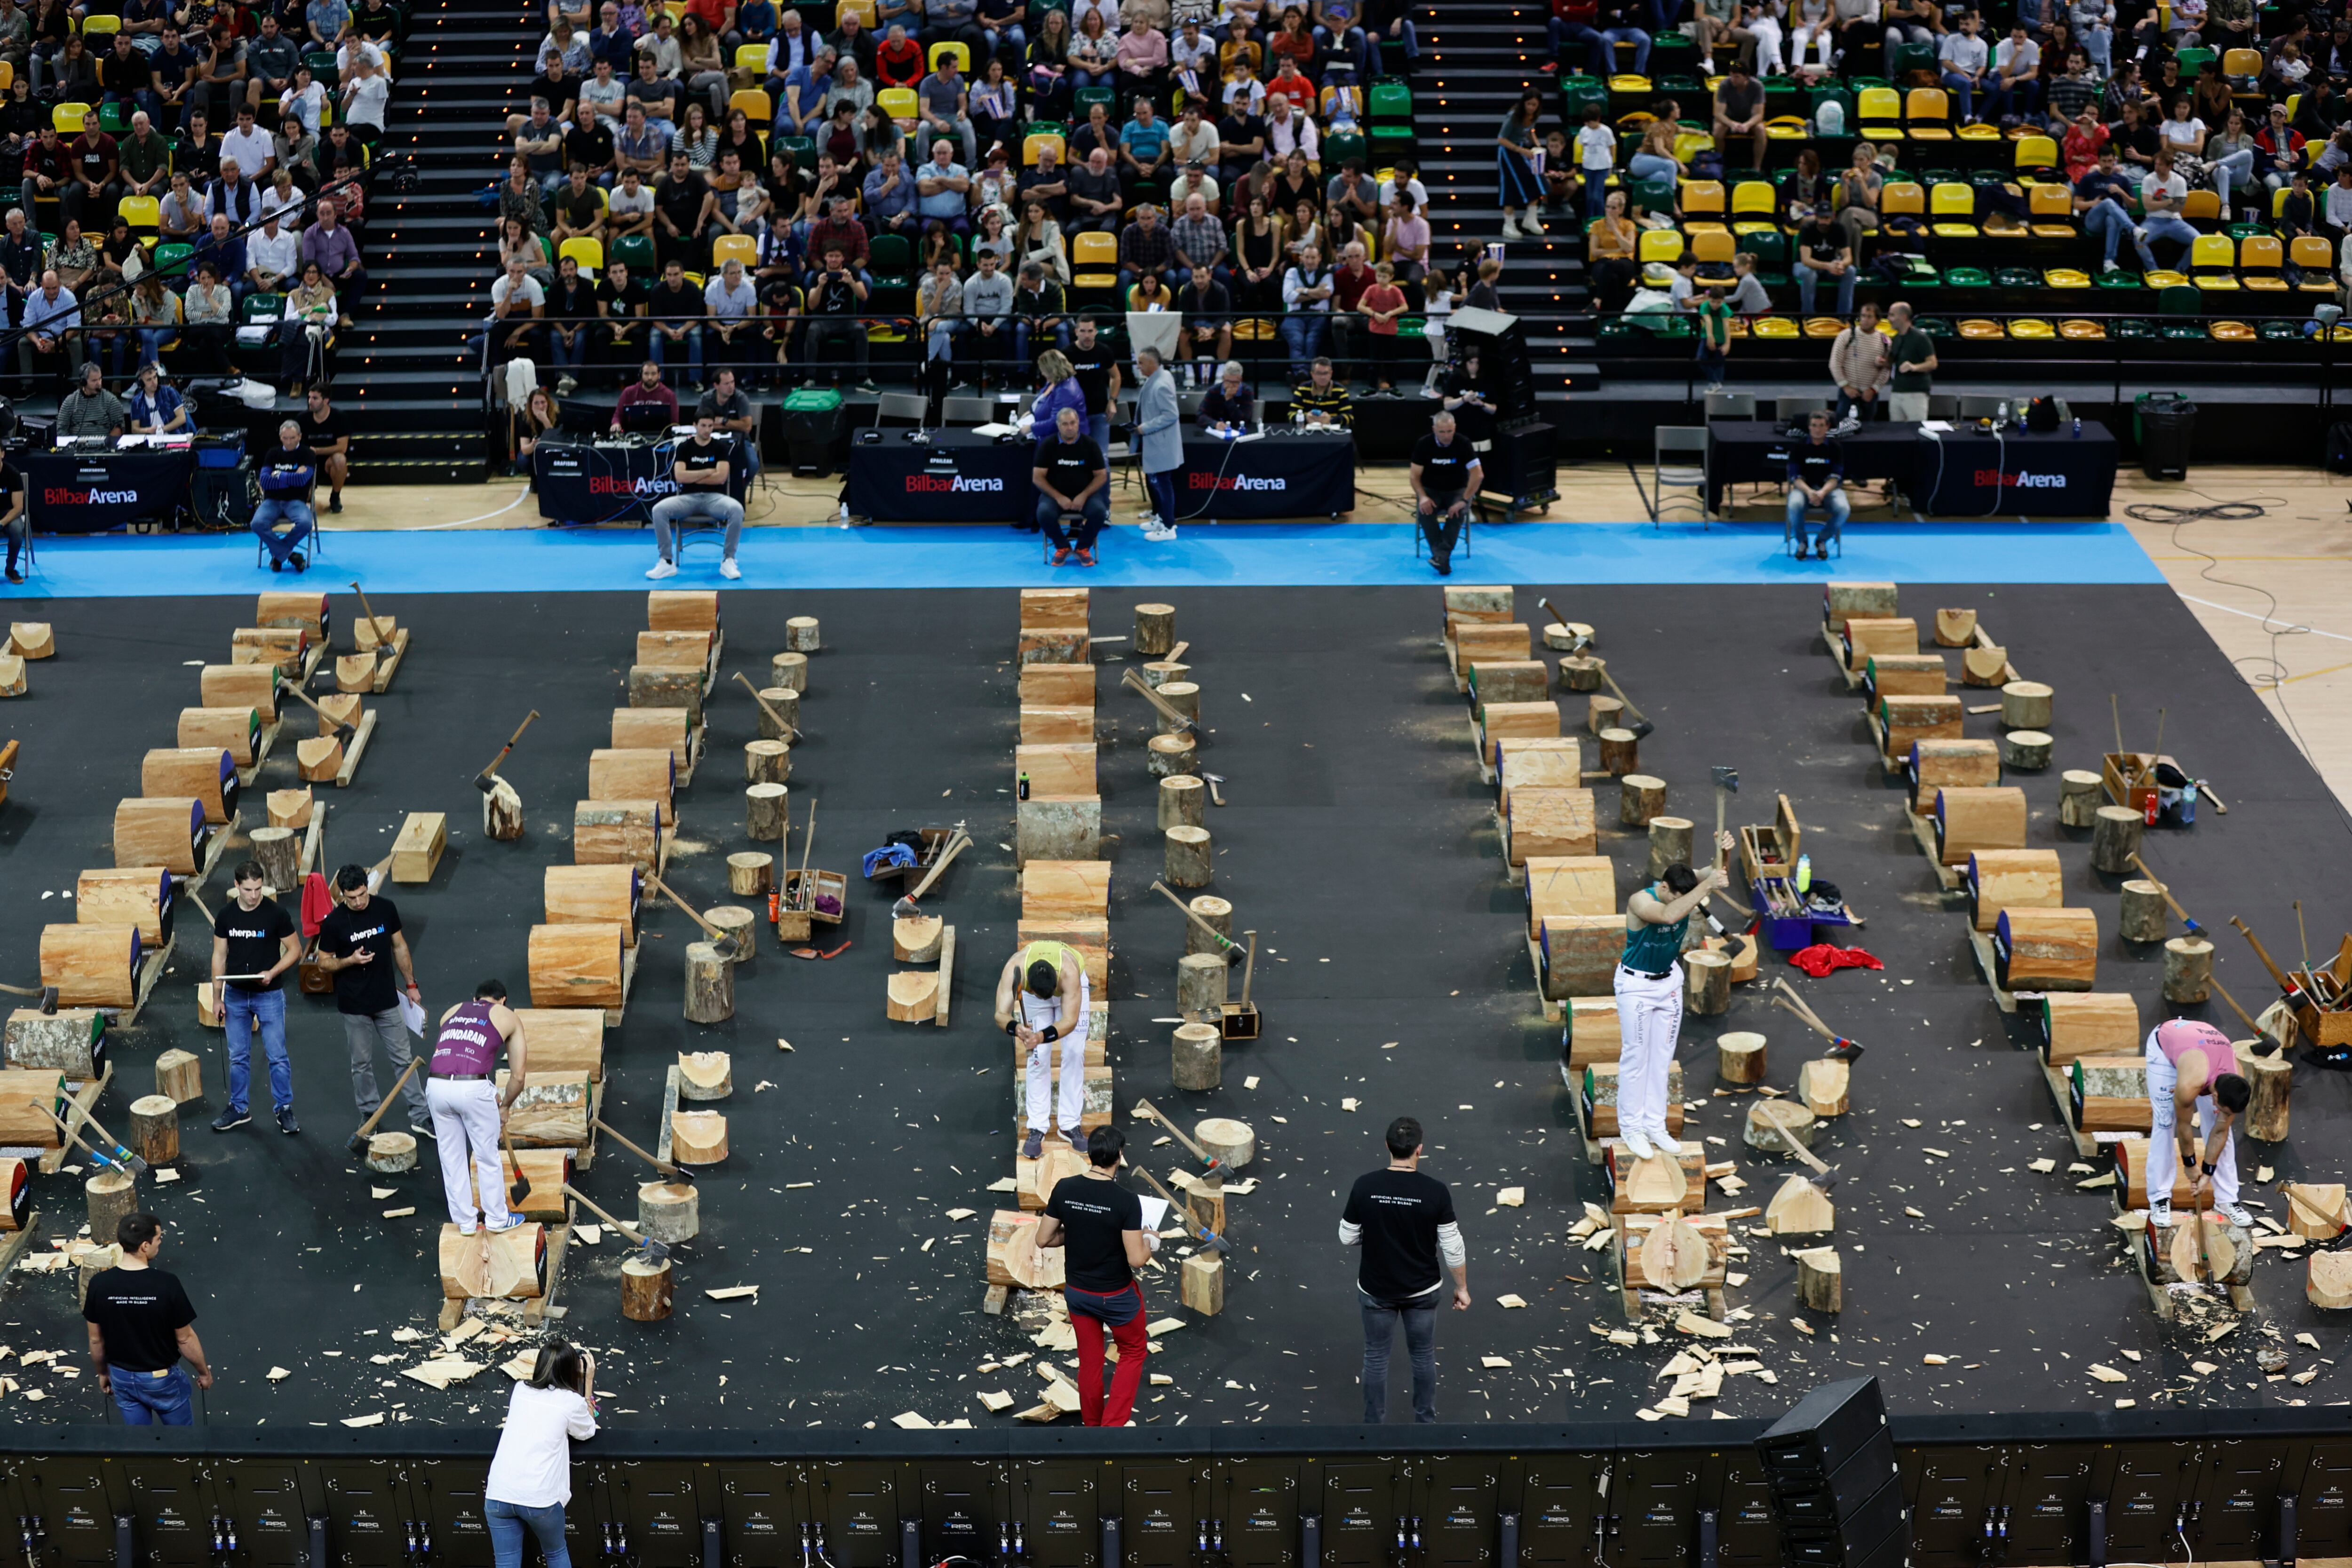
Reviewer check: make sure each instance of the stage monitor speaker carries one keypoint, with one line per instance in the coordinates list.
(1830, 1465)
(1501, 341)
(1523, 462)
(1826, 1429)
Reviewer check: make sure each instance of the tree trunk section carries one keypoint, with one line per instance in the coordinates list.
(646, 1290)
(668, 1211)
(915, 938)
(32, 640)
(1184, 696)
(913, 997)
(111, 1195)
(591, 895)
(502, 1265)
(1201, 1284)
(575, 966)
(1219, 913)
(1822, 1084)
(2115, 839)
(1620, 752)
(1640, 798)
(1601, 712)
(2025, 704)
(1170, 755)
(801, 635)
(767, 761)
(697, 1137)
(2027, 750)
(1799, 1209)
(2327, 1280)
(1772, 1123)
(1580, 673)
(1191, 857)
(2144, 916)
(2047, 949)
(355, 673)
(2188, 969)
(1983, 818)
(1200, 987)
(1155, 629)
(289, 808)
(202, 772)
(1955, 628)
(1673, 1256)
(2079, 795)
(155, 1128)
(789, 671)
(1709, 982)
(1196, 1057)
(180, 1074)
(739, 925)
(280, 854)
(1183, 801)
(709, 984)
(390, 1154)
(765, 806)
(2271, 1078)
(1160, 672)
(1230, 1143)
(705, 1075)
(1739, 1057)
(1820, 1280)
(2011, 879)
(502, 812)
(750, 872)
(1670, 844)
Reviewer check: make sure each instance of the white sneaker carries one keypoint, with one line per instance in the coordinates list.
(2160, 1211)
(2236, 1215)
(1511, 229)
(1533, 225)
(2111, 266)
(1635, 1145)
(1160, 533)
(729, 568)
(1149, 519)
(1668, 1146)
(663, 568)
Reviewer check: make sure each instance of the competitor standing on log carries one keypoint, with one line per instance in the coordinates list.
(467, 1112)
(1650, 1001)
(1041, 998)
(2191, 1068)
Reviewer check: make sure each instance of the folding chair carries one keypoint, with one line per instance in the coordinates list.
(1680, 441)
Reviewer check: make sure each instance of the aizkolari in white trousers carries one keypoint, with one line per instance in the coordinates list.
(1036, 1012)
(466, 1125)
(1649, 1019)
(2164, 1142)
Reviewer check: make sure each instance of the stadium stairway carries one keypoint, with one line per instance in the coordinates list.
(1478, 55)
(402, 369)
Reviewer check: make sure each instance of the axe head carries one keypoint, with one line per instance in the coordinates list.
(357, 1144)
(133, 1165)
(48, 998)
(1725, 779)
(1847, 1050)
(654, 1253)
(486, 780)
(1826, 1181)
(1641, 727)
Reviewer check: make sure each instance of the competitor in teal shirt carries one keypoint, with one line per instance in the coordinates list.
(1649, 985)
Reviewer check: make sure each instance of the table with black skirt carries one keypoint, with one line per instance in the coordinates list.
(87, 492)
(614, 481)
(951, 476)
(1286, 473)
(1965, 473)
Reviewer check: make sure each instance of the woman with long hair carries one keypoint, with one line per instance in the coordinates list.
(1515, 146)
(1306, 232)
(514, 239)
(312, 311)
(1093, 54)
(1610, 251)
(739, 138)
(993, 107)
(531, 1474)
(938, 246)
(992, 237)
(1060, 390)
(704, 60)
(1049, 68)
(529, 425)
(1039, 239)
(1258, 258)
(695, 139)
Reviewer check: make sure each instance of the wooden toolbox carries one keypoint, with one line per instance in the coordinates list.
(1771, 852)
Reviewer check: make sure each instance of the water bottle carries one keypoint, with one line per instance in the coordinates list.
(1804, 873)
(2078, 427)
(2000, 416)
(1024, 786)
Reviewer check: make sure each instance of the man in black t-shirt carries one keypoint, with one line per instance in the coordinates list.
(1445, 475)
(1097, 374)
(1099, 1226)
(12, 516)
(620, 302)
(360, 944)
(677, 212)
(703, 467)
(328, 436)
(836, 296)
(1817, 482)
(1404, 1222)
(255, 942)
(1071, 476)
(676, 308)
(141, 1326)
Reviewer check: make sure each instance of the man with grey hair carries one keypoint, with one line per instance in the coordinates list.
(52, 324)
(1072, 480)
(287, 477)
(1446, 474)
(89, 409)
(1160, 427)
(1227, 409)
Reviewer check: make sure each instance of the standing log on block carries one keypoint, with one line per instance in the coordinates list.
(1168, 756)
(1052, 725)
(1968, 822)
(281, 646)
(789, 671)
(155, 1128)
(801, 635)
(1640, 798)
(1579, 672)
(2046, 949)
(1069, 685)
(1155, 629)
(2271, 1079)
(2011, 879)
(1841, 602)
(1015, 1258)
(1218, 913)
(1907, 720)
(1053, 889)
(1476, 640)
(253, 686)
(591, 895)
(914, 996)
(2314, 1210)
(502, 813)
(2025, 704)
(32, 640)
(1933, 765)
(779, 719)
(2188, 969)
(647, 1289)
(1191, 858)
(1600, 712)
(1708, 982)
(162, 830)
(1157, 674)
(111, 1195)
(2027, 751)
(92, 966)
(666, 686)
(1673, 1256)
(552, 1111)
(499, 1265)
(1200, 987)
(915, 938)
(1799, 1209)
(1478, 600)
(355, 673)
(1202, 1285)
(2115, 839)
(319, 759)
(1184, 696)
(1773, 1125)
(202, 773)
(2109, 1093)
(1565, 634)
(767, 761)
(180, 1074)
(608, 832)
(750, 872)
(1053, 645)
(1205, 1200)
(705, 1075)
(739, 925)
(2143, 916)
(289, 808)
(1580, 954)
(1739, 1057)
(1670, 844)
(669, 730)
(126, 895)
(575, 966)
(389, 1153)
(1955, 628)
(1230, 1143)
(1984, 667)
(1823, 1085)
(1569, 884)
(1060, 770)
(766, 807)
(1196, 1056)
(709, 984)
(697, 1137)
(668, 1211)
(1058, 828)
(2327, 1280)
(1620, 752)
(1507, 681)
(1183, 800)
(1820, 1280)
(2080, 794)
(2223, 1254)
(1544, 761)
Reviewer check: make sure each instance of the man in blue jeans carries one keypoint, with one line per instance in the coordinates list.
(2102, 199)
(1071, 478)
(253, 943)
(1817, 482)
(141, 1329)
(287, 477)
(1404, 1222)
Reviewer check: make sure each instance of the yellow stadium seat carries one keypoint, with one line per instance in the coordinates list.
(2241, 62)
(2030, 329)
(1689, 144)
(2202, 206)
(2260, 258)
(1927, 115)
(1978, 132)
(1954, 206)
(2036, 153)
(1786, 128)
(1755, 208)
(2316, 258)
(1823, 326)
(7, 75)
(2164, 277)
(1880, 113)
(2052, 210)
(1094, 250)
(1776, 327)
(757, 106)
(1978, 329)
(1661, 245)
(962, 53)
(2066, 277)
(734, 248)
(587, 251)
(90, 24)
(2219, 253)
(2078, 330)
(1626, 81)
(751, 58)
(69, 118)
(901, 104)
(2231, 332)
(1702, 203)
(1713, 244)
(1899, 196)
(143, 213)
(861, 9)
(1032, 144)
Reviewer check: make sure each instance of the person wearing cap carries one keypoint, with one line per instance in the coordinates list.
(1042, 997)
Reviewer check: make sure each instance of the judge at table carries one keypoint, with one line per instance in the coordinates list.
(89, 409)
(1227, 406)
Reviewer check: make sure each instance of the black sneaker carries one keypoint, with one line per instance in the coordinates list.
(335, 501)
(423, 1129)
(1034, 1145)
(286, 1122)
(276, 564)
(298, 562)
(229, 1119)
(1443, 565)
(15, 576)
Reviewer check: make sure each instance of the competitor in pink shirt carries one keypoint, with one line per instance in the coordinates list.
(2191, 1069)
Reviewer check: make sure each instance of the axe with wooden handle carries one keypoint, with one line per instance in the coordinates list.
(675, 1173)
(1823, 1178)
(487, 779)
(773, 716)
(1145, 1108)
(1233, 948)
(655, 1251)
(342, 731)
(1641, 725)
(358, 1140)
(1192, 1228)
(911, 906)
(520, 1188)
(46, 996)
(1841, 1048)
(724, 940)
(75, 1139)
(2194, 929)
(1167, 709)
(375, 620)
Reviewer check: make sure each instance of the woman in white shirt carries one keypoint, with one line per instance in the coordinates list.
(530, 1476)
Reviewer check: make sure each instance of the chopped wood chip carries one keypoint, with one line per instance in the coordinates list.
(1494, 1361)
(380, 1193)
(1163, 1326)
(2203, 1368)
(1690, 1322)
(400, 1213)
(1735, 1281)
(1683, 1362)
(588, 1235)
(1648, 1415)
(2131, 1356)
(2078, 1168)
(961, 1213)
(2044, 1165)
(1251, 1081)
(1622, 1337)
(522, 1366)
(279, 1373)
(442, 1371)
(1934, 1360)
(1946, 1153)
(1161, 1380)
(910, 1421)
(2302, 1378)
(1913, 1212)
(1767, 1377)
(2105, 1179)
(406, 1336)
(167, 1174)
(2283, 1241)
(2264, 1173)
(2127, 1404)
(1673, 1406)
(2307, 1339)
(375, 1420)
(1800, 1325)
(1512, 1198)
(997, 1403)
(1910, 1121)
(731, 1292)
(1348, 1104)
(2107, 1373)
(2221, 1330)
(1004, 1184)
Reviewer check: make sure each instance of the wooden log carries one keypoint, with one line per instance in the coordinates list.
(1183, 801)
(648, 1289)
(739, 925)
(2080, 794)
(1507, 681)
(417, 851)
(709, 984)
(291, 808)
(278, 850)
(1594, 1034)
(2046, 949)
(496, 1265)
(1739, 1057)
(1865, 635)
(914, 996)
(16, 1194)
(1984, 667)
(1056, 888)
(2025, 704)
(1230, 1143)
(801, 635)
(1600, 1100)
(12, 675)
(1773, 1125)
(336, 712)
(1053, 645)
(92, 966)
(1841, 602)
(1600, 712)
(236, 731)
(1535, 761)
(1157, 674)
(2027, 750)
(1184, 696)
(355, 673)
(159, 830)
(180, 1074)
(1058, 828)
(154, 1130)
(568, 1040)
(1620, 752)
(2011, 879)
(2115, 839)
(634, 773)
(766, 807)
(704, 1076)
(1640, 798)
(1200, 985)
(1670, 844)
(1191, 857)
(2131, 1153)
(1708, 982)
(2271, 1080)
(1905, 675)
(1015, 1258)
(2327, 1280)
(1546, 822)
(552, 1110)
(24, 1092)
(251, 686)
(1196, 1056)
(682, 609)
(786, 704)
(2088, 1023)
(1580, 672)
(1477, 640)
(677, 649)
(1906, 721)
(2143, 916)
(1673, 1257)
(697, 1137)
(2109, 1093)
(502, 813)
(32, 640)
(1823, 1084)
(1063, 686)
(1821, 1284)
(1799, 1209)
(2316, 1210)
(389, 1153)
(2226, 1255)
(575, 966)
(113, 1197)
(669, 730)
(1063, 769)
(202, 773)
(1155, 629)
(666, 687)
(591, 895)
(750, 872)
(1971, 819)
(915, 938)
(279, 646)
(1218, 913)
(369, 635)
(789, 671)
(1580, 954)
(319, 759)
(668, 1211)
(1044, 725)
(124, 895)
(2188, 969)
(618, 832)
(1478, 600)
(1205, 1200)
(1654, 1186)
(1933, 765)
(1565, 634)
(1955, 628)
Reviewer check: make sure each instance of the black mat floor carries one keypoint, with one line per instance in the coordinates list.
(1359, 843)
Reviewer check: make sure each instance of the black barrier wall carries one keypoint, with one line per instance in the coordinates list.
(2037, 1492)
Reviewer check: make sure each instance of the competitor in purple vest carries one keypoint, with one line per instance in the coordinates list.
(2194, 1090)
(468, 1110)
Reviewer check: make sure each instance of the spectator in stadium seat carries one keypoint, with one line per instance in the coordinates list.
(1145, 249)
(1144, 150)
(2230, 154)
(2016, 80)
(899, 59)
(2100, 198)
(677, 212)
(1823, 253)
(2336, 215)
(889, 194)
(1966, 63)
(2161, 195)
(943, 189)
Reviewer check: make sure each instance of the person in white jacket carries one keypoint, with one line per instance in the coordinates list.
(531, 1475)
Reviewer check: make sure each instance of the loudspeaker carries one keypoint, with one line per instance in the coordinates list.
(1830, 1466)
(1826, 1429)
(1524, 462)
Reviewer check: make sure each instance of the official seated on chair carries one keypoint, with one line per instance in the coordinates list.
(1817, 484)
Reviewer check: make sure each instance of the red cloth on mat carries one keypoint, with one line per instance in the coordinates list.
(317, 903)
(1820, 957)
